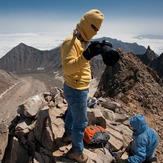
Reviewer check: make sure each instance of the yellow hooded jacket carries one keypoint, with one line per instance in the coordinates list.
(76, 69)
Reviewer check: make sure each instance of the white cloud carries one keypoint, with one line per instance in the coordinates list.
(127, 30)
(41, 41)
(48, 41)
(155, 44)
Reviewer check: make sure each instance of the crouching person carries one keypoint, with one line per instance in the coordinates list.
(145, 141)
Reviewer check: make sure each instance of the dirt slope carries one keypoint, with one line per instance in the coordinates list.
(9, 102)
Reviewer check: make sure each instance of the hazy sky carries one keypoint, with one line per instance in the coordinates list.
(124, 19)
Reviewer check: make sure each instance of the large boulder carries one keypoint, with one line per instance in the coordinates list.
(3, 139)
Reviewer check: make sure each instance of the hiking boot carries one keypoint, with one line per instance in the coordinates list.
(82, 158)
(66, 138)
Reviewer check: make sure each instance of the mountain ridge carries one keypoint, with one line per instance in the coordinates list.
(26, 59)
(18, 59)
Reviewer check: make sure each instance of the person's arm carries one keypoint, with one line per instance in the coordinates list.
(140, 150)
(72, 61)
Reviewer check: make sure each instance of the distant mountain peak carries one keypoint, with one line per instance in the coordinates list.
(148, 56)
(149, 49)
(150, 53)
(22, 45)
(23, 58)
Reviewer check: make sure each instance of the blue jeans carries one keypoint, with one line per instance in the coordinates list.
(76, 118)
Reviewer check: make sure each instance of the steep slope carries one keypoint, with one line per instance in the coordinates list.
(152, 60)
(23, 59)
(132, 82)
(148, 56)
(157, 65)
(7, 79)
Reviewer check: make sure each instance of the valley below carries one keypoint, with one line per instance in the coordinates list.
(28, 86)
(25, 88)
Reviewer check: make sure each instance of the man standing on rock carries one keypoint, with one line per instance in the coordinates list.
(145, 141)
(76, 58)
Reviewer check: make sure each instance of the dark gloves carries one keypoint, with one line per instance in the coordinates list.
(93, 49)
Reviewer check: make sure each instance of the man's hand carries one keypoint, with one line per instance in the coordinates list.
(93, 49)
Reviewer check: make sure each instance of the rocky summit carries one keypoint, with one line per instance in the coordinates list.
(133, 83)
(137, 88)
(35, 133)
(127, 88)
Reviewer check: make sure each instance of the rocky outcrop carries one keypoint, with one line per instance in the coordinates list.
(133, 83)
(137, 88)
(152, 60)
(157, 65)
(35, 133)
(4, 132)
(148, 56)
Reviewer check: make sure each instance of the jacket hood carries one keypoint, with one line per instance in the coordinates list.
(93, 17)
(138, 124)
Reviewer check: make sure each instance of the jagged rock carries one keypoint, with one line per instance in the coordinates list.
(99, 155)
(17, 152)
(51, 104)
(55, 98)
(108, 114)
(55, 92)
(121, 117)
(49, 127)
(116, 138)
(40, 135)
(23, 127)
(130, 81)
(3, 139)
(48, 98)
(157, 65)
(148, 57)
(59, 102)
(95, 116)
(111, 105)
(32, 106)
(42, 158)
(40, 128)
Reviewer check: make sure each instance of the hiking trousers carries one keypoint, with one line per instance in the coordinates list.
(76, 118)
